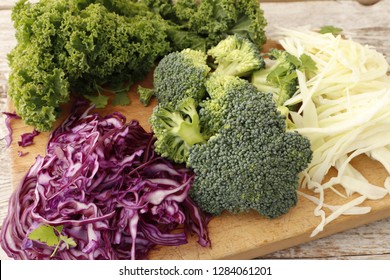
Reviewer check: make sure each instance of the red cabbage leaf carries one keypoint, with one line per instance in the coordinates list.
(8, 118)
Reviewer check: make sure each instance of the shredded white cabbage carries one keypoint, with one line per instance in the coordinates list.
(345, 112)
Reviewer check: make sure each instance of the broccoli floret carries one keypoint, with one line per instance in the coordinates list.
(252, 162)
(236, 56)
(145, 94)
(279, 76)
(179, 75)
(214, 108)
(176, 129)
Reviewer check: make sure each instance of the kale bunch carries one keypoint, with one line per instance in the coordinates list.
(78, 46)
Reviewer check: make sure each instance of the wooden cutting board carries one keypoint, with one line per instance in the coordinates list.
(240, 236)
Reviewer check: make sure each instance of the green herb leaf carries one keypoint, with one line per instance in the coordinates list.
(308, 64)
(330, 29)
(279, 71)
(100, 100)
(51, 236)
(45, 234)
(121, 99)
(294, 60)
(69, 241)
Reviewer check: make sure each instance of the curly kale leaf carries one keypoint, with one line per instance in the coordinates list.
(78, 46)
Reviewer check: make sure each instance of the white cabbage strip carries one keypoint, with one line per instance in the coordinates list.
(345, 112)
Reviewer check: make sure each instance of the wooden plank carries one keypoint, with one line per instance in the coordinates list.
(8, 41)
(358, 243)
(365, 24)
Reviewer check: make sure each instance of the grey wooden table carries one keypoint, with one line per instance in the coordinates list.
(366, 24)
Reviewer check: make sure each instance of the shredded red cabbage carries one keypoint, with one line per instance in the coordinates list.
(22, 154)
(102, 181)
(27, 138)
(8, 118)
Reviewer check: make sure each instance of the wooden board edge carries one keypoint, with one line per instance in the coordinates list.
(334, 227)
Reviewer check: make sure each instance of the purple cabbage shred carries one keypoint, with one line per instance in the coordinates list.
(28, 138)
(22, 154)
(8, 118)
(102, 181)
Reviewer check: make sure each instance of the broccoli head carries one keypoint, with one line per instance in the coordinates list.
(176, 129)
(252, 162)
(214, 108)
(236, 56)
(179, 75)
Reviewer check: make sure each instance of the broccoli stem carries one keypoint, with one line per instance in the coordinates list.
(190, 134)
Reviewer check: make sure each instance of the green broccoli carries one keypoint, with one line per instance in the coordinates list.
(145, 94)
(236, 56)
(214, 108)
(176, 129)
(179, 75)
(252, 162)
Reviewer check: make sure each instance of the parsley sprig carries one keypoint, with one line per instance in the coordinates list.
(51, 236)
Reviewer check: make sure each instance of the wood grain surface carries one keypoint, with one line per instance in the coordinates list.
(367, 24)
